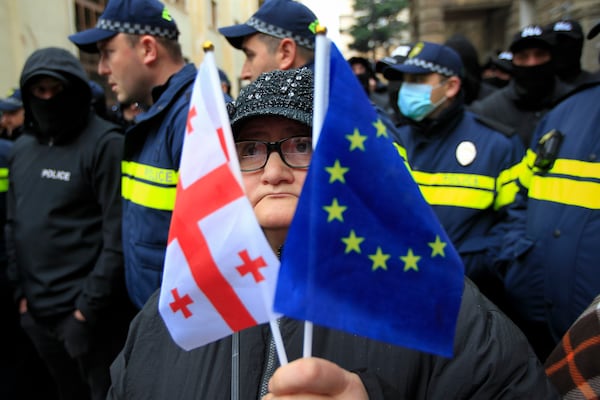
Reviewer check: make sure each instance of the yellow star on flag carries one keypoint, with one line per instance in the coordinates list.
(379, 260)
(357, 141)
(336, 173)
(335, 211)
(352, 242)
(381, 129)
(437, 247)
(410, 261)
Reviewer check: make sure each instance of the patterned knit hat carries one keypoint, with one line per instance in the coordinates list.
(279, 18)
(138, 17)
(287, 94)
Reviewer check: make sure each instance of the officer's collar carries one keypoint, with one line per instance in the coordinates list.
(445, 122)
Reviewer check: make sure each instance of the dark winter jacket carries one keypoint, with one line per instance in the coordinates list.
(64, 210)
(492, 361)
(151, 161)
(552, 248)
(466, 172)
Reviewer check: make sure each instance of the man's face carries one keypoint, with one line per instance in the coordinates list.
(274, 190)
(531, 57)
(436, 81)
(11, 120)
(259, 58)
(45, 87)
(121, 62)
(358, 69)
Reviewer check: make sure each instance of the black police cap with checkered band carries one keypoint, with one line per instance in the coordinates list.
(427, 58)
(137, 17)
(278, 18)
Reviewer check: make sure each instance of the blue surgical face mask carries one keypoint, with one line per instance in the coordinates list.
(414, 100)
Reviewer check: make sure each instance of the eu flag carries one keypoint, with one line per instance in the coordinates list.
(365, 253)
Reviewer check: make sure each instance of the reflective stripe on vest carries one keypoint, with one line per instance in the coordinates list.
(466, 190)
(570, 182)
(526, 168)
(402, 152)
(149, 186)
(3, 180)
(506, 186)
(458, 190)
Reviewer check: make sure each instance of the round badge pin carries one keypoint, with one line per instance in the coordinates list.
(466, 153)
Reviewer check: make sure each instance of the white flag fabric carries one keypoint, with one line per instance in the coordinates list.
(220, 272)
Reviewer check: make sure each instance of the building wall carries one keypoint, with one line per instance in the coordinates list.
(33, 24)
(491, 24)
(206, 17)
(29, 25)
(180, 13)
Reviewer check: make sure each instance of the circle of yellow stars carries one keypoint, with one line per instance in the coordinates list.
(335, 212)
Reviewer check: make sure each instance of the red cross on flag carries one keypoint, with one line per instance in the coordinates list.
(220, 272)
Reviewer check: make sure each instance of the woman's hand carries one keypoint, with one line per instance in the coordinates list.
(315, 378)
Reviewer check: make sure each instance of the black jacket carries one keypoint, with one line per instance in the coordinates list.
(492, 361)
(64, 207)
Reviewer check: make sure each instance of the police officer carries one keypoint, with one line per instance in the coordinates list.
(533, 89)
(143, 63)
(12, 115)
(568, 39)
(462, 165)
(551, 250)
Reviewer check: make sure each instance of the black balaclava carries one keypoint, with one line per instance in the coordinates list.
(496, 82)
(366, 76)
(567, 57)
(568, 47)
(61, 117)
(534, 84)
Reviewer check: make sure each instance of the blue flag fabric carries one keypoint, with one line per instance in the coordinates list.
(365, 253)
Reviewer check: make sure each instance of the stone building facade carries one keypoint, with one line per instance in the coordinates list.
(490, 24)
(32, 24)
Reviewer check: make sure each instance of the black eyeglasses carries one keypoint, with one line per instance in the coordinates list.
(295, 152)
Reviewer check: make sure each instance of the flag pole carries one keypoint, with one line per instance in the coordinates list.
(321, 93)
(321, 98)
(209, 49)
(275, 331)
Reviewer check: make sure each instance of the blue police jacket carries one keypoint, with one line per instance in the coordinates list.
(149, 180)
(554, 272)
(467, 172)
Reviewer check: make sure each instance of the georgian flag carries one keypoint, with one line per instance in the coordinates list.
(220, 272)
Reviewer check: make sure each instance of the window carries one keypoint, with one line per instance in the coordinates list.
(86, 16)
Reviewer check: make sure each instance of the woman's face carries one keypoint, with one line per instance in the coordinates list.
(274, 190)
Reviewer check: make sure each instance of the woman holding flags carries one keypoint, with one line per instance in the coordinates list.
(271, 122)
